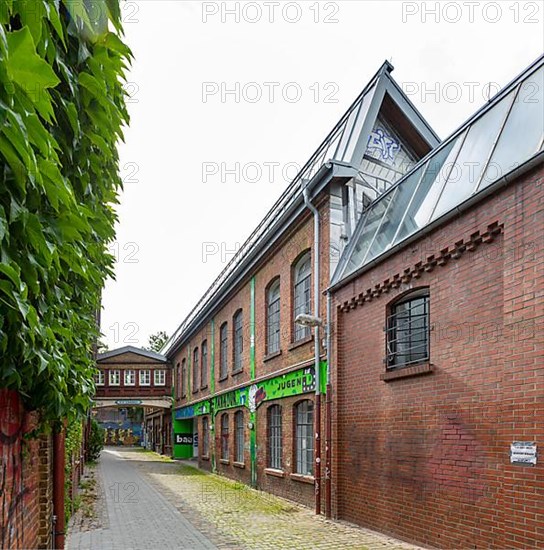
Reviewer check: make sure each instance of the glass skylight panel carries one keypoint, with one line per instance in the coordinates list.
(523, 132)
(358, 126)
(473, 157)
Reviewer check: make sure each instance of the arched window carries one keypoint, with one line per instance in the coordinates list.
(183, 378)
(205, 437)
(204, 364)
(273, 317)
(239, 436)
(225, 436)
(237, 340)
(178, 380)
(302, 294)
(196, 370)
(275, 441)
(304, 437)
(408, 325)
(223, 350)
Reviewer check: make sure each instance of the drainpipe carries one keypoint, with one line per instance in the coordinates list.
(58, 487)
(328, 419)
(317, 449)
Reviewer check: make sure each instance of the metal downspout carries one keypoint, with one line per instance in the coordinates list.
(317, 447)
(328, 415)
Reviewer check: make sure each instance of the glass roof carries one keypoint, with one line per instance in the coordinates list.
(505, 134)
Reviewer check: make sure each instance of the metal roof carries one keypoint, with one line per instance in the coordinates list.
(131, 349)
(507, 133)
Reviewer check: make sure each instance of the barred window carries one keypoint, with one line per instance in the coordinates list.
(275, 445)
(408, 330)
(301, 298)
(304, 437)
(273, 318)
(223, 343)
(204, 365)
(183, 378)
(239, 436)
(196, 369)
(205, 437)
(225, 437)
(238, 340)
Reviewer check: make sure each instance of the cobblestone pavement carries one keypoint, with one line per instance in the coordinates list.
(175, 499)
(136, 515)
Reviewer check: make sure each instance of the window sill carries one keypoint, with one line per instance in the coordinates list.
(302, 478)
(223, 378)
(407, 372)
(239, 465)
(195, 391)
(274, 472)
(299, 343)
(235, 372)
(272, 356)
(205, 457)
(224, 461)
(202, 388)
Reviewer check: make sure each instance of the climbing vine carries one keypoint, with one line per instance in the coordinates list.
(62, 110)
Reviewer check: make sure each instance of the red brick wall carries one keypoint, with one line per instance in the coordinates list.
(25, 485)
(426, 458)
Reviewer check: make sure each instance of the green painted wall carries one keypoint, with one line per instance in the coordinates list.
(183, 427)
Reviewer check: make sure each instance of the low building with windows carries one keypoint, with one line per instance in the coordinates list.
(438, 303)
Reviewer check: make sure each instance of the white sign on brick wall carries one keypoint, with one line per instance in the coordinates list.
(523, 452)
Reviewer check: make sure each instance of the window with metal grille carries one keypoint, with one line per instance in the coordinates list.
(223, 343)
(225, 437)
(238, 340)
(274, 437)
(407, 330)
(183, 378)
(196, 369)
(205, 437)
(304, 437)
(301, 298)
(239, 436)
(204, 365)
(273, 318)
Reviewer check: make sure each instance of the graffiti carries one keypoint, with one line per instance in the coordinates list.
(383, 144)
(121, 437)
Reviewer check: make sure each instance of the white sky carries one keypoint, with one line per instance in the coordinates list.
(169, 210)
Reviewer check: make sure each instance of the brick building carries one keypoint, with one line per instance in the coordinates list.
(438, 305)
(248, 378)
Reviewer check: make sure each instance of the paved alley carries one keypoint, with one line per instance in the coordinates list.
(150, 502)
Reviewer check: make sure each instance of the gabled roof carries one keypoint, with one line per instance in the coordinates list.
(341, 155)
(503, 138)
(131, 349)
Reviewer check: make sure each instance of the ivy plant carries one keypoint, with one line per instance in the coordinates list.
(62, 113)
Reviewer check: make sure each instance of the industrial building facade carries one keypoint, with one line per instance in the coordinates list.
(412, 403)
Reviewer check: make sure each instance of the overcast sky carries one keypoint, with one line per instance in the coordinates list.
(228, 98)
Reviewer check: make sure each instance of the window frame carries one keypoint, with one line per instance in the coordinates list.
(302, 282)
(274, 437)
(273, 288)
(224, 437)
(142, 373)
(204, 364)
(237, 341)
(205, 437)
(116, 372)
(195, 370)
(223, 351)
(304, 438)
(156, 379)
(422, 296)
(184, 377)
(239, 436)
(131, 372)
(100, 378)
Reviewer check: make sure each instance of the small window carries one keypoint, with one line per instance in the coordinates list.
(178, 380)
(408, 330)
(196, 370)
(99, 378)
(304, 437)
(204, 365)
(225, 437)
(273, 318)
(238, 340)
(183, 378)
(145, 377)
(223, 344)
(275, 443)
(130, 378)
(239, 436)
(302, 294)
(205, 437)
(115, 377)
(160, 377)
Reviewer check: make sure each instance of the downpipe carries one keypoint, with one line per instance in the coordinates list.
(58, 487)
(317, 446)
(328, 416)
